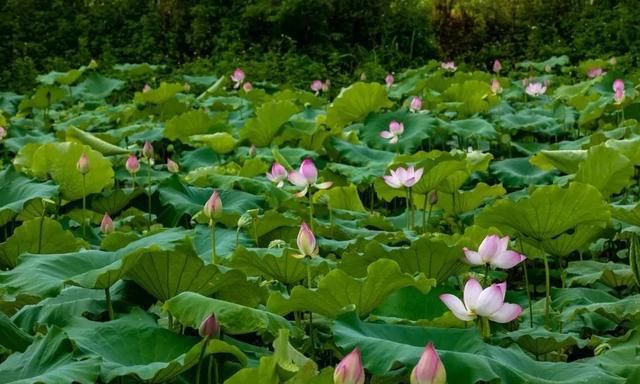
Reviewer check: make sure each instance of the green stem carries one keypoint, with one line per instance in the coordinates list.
(107, 295)
(40, 232)
(133, 181)
(212, 224)
(149, 195)
(170, 321)
(84, 205)
(309, 285)
(487, 281)
(237, 237)
(424, 210)
(202, 351)
(407, 214)
(547, 288)
(310, 210)
(213, 366)
(485, 327)
(526, 281)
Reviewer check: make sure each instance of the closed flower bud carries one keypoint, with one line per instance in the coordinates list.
(253, 151)
(147, 150)
(132, 165)
(306, 241)
(172, 166)
(429, 369)
(213, 206)
(349, 370)
(209, 328)
(83, 164)
(247, 87)
(106, 225)
(433, 197)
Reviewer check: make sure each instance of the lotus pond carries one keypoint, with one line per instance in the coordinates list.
(439, 225)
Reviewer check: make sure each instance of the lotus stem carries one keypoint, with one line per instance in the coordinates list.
(213, 366)
(149, 196)
(212, 224)
(309, 285)
(310, 210)
(107, 295)
(526, 281)
(407, 213)
(424, 210)
(84, 205)
(547, 288)
(202, 351)
(484, 327)
(133, 180)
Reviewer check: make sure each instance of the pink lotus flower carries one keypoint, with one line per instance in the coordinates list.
(306, 242)
(147, 150)
(496, 88)
(237, 77)
(277, 175)
(132, 165)
(172, 166)
(449, 66)
(595, 72)
(307, 176)
(401, 177)
(349, 370)
(316, 86)
(146, 88)
(493, 251)
(106, 225)
(618, 85)
(414, 106)
(209, 328)
(247, 87)
(535, 89)
(396, 129)
(83, 164)
(429, 369)
(388, 80)
(3, 133)
(213, 207)
(487, 303)
(497, 66)
(618, 96)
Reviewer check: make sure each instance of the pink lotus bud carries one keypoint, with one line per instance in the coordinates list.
(106, 225)
(3, 133)
(493, 251)
(172, 166)
(132, 165)
(213, 206)
(349, 370)
(306, 241)
(83, 164)
(416, 104)
(497, 66)
(253, 151)
(277, 175)
(147, 150)
(209, 328)
(496, 88)
(433, 197)
(247, 87)
(595, 72)
(237, 77)
(429, 369)
(316, 86)
(618, 96)
(618, 85)
(309, 171)
(389, 80)
(146, 88)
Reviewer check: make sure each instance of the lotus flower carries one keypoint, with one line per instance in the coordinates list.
(349, 370)
(247, 87)
(213, 207)
(496, 88)
(132, 165)
(535, 89)
(414, 106)
(147, 150)
(595, 72)
(396, 129)
(306, 242)
(106, 225)
(493, 251)
(449, 66)
(209, 328)
(277, 175)
(497, 66)
(172, 166)
(237, 77)
(618, 85)
(388, 80)
(316, 86)
(429, 369)
(401, 177)
(146, 88)
(307, 176)
(3, 132)
(618, 96)
(83, 164)
(487, 303)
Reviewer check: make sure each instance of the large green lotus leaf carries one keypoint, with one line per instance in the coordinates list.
(165, 274)
(540, 341)
(471, 130)
(190, 308)
(354, 103)
(590, 108)
(567, 161)
(160, 95)
(466, 201)
(114, 201)
(549, 211)
(16, 190)
(630, 148)
(96, 86)
(64, 78)
(529, 120)
(605, 169)
(124, 346)
(551, 63)
(476, 161)
(219, 142)
(470, 97)
(431, 257)
(346, 198)
(52, 359)
(266, 125)
(58, 161)
(564, 244)
(338, 290)
(194, 122)
(136, 70)
(83, 137)
(12, 337)
(518, 173)
(465, 356)
(417, 127)
(587, 272)
(273, 264)
(618, 311)
(359, 154)
(38, 236)
(44, 97)
(623, 358)
(629, 214)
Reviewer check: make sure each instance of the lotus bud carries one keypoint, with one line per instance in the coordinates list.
(495, 87)
(416, 104)
(389, 80)
(172, 166)
(306, 241)
(3, 132)
(547, 68)
(93, 64)
(497, 66)
(209, 328)
(618, 85)
(433, 198)
(316, 86)
(83, 164)
(349, 370)
(253, 151)
(363, 76)
(132, 165)
(247, 87)
(237, 77)
(429, 369)
(213, 206)
(146, 88)
(147, 150)
(106, 225)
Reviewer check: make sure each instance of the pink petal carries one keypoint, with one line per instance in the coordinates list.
(410, 182)
(392, 181)
(472, 290)
(297, 179)
(309, 171)
(325, 185)
(489, 247)
(503, 244)
(473, 257)
(507, 313)
(418, 174)
(503, 288)
(490, 300)
(386, 134)
(457, 307)
(507, 259)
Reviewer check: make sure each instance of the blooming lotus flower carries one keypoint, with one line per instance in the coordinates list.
(496, 88)
(3, 133)
(146, 88)
(396, 129)
(147, 150)
(306, 242)
(497, 66)
(449, 66)
(213, 207)
(429, 369)
(209, 328)
(305, 177)
(106, 225)
(83, 164)
(493, 251)
(349, 370)
(618, 85)
(237, 77)
(132, 165)
(389, 80)
(595, 72)
(414, 106)
(247, 87)
(316, 86)
(488, 302)
(172, 166)
(535, 89)
(401, 177)
(277, 175)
